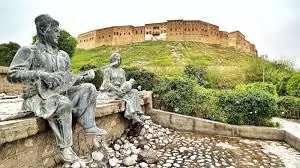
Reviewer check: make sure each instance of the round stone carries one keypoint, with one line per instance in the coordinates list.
(128, 161)
(143, 165)
(117, 147)
(113, 162)
(98, 156)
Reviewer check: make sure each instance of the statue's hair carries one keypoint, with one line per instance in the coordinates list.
(44, 22)
(113, 57)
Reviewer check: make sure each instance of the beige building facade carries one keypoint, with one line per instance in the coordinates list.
(171, 30)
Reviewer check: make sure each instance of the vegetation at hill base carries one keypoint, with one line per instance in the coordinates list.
(204, 80)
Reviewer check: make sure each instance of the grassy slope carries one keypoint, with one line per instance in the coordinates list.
(168, 59)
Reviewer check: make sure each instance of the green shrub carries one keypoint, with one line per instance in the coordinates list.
(247, 107)
(289, 106)
(207, 99)
(197, 73)
(177, 96)
(7, 53)
(146, 80)
(293, 85)
(97, 81)
(259, 86)
(281, 86)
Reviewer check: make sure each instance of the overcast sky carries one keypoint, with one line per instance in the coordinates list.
(272, 25)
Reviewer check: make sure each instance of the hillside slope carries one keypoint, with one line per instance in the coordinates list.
(168, 59)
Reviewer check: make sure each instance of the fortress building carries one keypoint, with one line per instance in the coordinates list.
(172, 30)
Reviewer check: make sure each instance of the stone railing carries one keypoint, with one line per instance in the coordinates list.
(29, 142)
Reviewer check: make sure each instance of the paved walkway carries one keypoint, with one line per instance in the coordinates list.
(190, 150)
(289, 125)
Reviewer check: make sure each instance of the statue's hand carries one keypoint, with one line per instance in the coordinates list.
(88, 75)
(52, 80)
(120, 93)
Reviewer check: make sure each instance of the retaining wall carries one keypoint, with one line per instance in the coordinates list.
(29, 142)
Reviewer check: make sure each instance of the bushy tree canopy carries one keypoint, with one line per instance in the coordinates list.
(66, 42)
(293, 85)
(7, 52)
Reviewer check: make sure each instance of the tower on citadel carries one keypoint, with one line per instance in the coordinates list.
(172, 30)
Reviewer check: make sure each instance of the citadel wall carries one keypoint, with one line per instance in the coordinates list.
(172, 30)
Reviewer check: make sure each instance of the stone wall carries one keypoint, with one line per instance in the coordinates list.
(29, 142)
(5, 86)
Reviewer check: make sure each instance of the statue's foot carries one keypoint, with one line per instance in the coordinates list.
(95, 131)
(68, 155)
(136, 119)
(144, 117)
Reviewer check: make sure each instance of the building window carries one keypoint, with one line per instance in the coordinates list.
(185, 29)
(146, 32)
(141, 32)
(108, 35)
(150, 32)
(165, 31)
(124, 33)
(102, 36)
(136, 32)
(170, 29)
(129, 33)
(117, 33)
(175, 29)
(189, 29)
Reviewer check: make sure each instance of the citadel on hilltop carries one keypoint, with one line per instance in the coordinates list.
(172, 30)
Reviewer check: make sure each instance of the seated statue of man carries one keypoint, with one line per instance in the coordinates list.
(52, 91)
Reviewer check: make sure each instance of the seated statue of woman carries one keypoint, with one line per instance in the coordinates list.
(115, 87)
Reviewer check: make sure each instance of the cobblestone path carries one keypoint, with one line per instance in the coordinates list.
(190, 150)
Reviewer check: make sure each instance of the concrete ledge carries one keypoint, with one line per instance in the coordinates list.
(193, 124)
(16, 129)
(292, 139)
(3, 70)
(257, 132)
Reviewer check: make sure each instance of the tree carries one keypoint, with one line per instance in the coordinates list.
(7, 52)
(66, 42)
(293, 85)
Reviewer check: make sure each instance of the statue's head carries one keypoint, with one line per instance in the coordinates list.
(47, 29)
(115, 59)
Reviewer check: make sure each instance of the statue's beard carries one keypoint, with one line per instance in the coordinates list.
(49, 41)
(52, 42)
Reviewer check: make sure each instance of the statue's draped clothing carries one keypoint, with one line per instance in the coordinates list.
(114, 78)
(58, 108)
